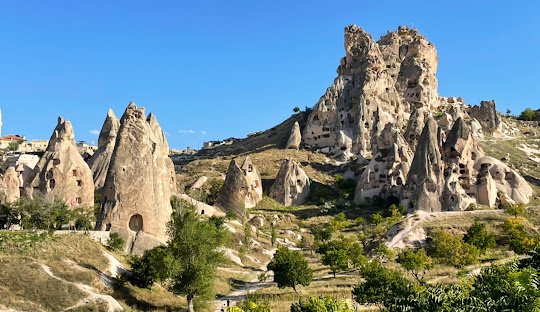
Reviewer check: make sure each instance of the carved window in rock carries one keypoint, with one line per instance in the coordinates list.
(79, 183)
(49, 175)
(78, 200)
(136, 223)
(52, 183)
(56, 162)
(250, 168)
(399, 181)
(74, 172)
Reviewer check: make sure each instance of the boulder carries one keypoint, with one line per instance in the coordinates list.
(139, 184)
(62, 172)
(291, 186)
(295, 138)
(99, 162)
(201, 181)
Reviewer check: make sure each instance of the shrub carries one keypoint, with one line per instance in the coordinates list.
(115, 242)
(296, 109)
(415, 261)
(528, 114)
(477, 235)
(519, 240)
(452, 250)
(155, 265)
(321, 304)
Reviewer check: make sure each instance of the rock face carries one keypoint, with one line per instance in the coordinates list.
(291, 186)
(139, 184)
(99, 162)
(387, 172)
(295, 139)
(242, 188)
(61, 172)
(9, 186)
(507, 180)
(425, 181)
(384, 107)
(487, 116)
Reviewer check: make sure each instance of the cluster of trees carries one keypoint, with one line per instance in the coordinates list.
(44, 213)
(509, 287)
(188, 264)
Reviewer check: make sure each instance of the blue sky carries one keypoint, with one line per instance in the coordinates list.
(212, 70)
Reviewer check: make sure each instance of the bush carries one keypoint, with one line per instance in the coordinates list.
(415, 261)
(296, 109)
(115, 242)
(477, 235)
(519, 240)
(321, 304)
(528, 114)
(452, 250)
(155, 265)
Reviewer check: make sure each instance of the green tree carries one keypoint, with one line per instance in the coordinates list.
(335, 254)
(321, 304)
(452, 250)
(380, 286)
(296, 109)
(415, 261)
(195, 244)
(528, 114)
(477, 235)
(290, 269)
(115, 242)
(155, 265)
(517, 237)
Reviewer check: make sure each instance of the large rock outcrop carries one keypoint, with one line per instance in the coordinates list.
(99, 162)
(62, 172)
(487, 116)
(362, 99)
(139, 184)
(242, 188)
(291, 186)
(426, 179)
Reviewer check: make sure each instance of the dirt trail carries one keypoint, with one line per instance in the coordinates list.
(93, 295)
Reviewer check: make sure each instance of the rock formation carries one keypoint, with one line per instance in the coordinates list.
(139, 184)
(426, 180)
(387, 172)
(61, 172)
(201, 181)
(291, 186)
(295, 138)
(507, 180)
(242, 188)
(99, 162)
(487, 116)
(9, 186)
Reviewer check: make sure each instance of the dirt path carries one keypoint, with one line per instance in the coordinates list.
(93, 295)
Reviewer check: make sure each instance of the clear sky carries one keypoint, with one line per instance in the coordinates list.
(212, 70)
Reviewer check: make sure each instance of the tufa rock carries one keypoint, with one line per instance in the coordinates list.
(425, 181)
(487, 116)
(291, 186)
(242, 188)
(201, 181)
(139, 184)
(99, 162)
(9, 186)
(62, 172)
(295, 138)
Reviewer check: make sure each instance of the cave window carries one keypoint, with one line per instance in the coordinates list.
(74, 172)
(52, 183)
(56, 162)
(78, 200)
(108, 227)
(250, 168)
(136, 223)
(79, 183)
(399, 181)
(202, 212)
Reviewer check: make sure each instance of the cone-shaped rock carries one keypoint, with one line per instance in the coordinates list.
(242, 188)
(425, 181)
(291, 186)
(9, 186)
(139, 184)
(295, 138)
(62, 172)
(99, 162)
